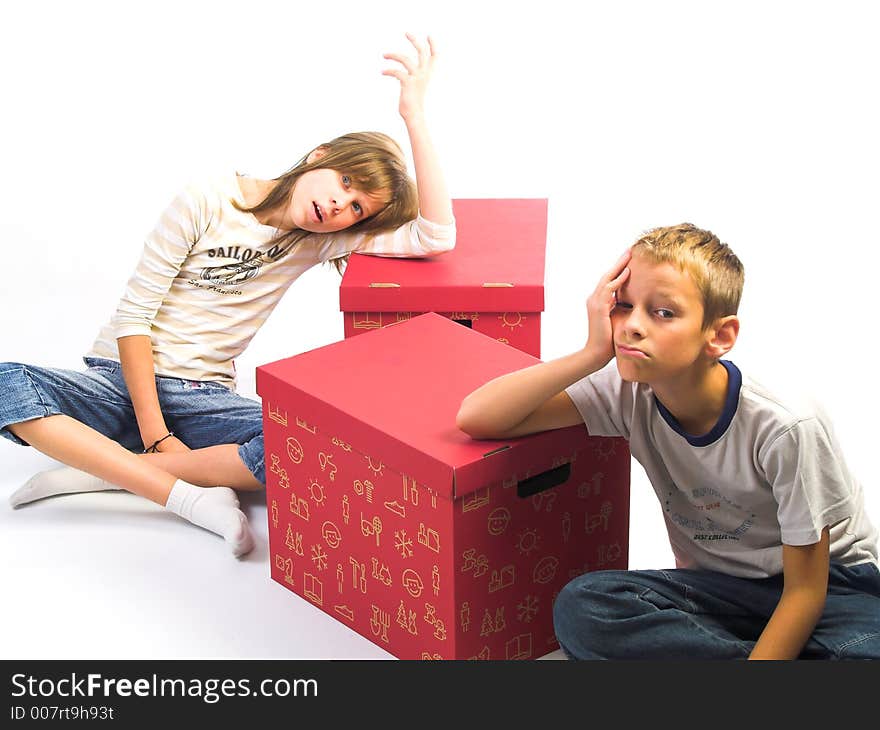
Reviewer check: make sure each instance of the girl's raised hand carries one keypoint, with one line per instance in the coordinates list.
(413, 77)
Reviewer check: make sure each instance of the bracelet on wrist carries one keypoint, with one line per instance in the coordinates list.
(152, 449)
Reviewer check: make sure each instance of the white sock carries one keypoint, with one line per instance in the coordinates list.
(210, 508)
(63, 480)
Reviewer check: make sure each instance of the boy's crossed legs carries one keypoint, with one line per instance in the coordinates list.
(697, 614)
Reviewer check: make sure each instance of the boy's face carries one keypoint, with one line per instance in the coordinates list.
(657, 323)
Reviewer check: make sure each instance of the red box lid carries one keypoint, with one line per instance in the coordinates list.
(497, 266)
(394, 393)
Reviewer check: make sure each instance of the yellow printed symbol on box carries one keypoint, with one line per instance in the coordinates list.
(491, 626)
(358, 575)
(593, 521)
(331, 534)
(285, 564)
(379, 623)
(545, 570)
(396, 507)
(383, 574)
(299, 507)
(479, 498)
(484, 655)
(527, 541)
(499, 519)
(326, 461)
(608, 553)
(276, 468)
(364, 487)
(519, 647)
(464, 616)
(319, 557)
(294, 450)
(512, 320)
(313, 589)
(542, 498)
(275, 414)
(364, 321)
(594, 487)
(527, 608)
(439, 626)
(504, 579)
(294, 543)
(477, 563)
(317, 493)
(377, 470)
(412, 582)
(373, 527)
(429, 538)
(403, 544)
(407, 620)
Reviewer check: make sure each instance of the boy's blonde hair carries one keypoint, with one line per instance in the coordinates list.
(713, 266)
(376, 165)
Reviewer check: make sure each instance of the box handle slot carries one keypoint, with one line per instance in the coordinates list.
(496, 451)
(543, 481)
(466, 322)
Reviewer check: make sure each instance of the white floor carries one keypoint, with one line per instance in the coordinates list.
(112, 576)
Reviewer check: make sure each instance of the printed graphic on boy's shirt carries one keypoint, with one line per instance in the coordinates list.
(706, 500)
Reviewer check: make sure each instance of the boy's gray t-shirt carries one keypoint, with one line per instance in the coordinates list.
(769, 472)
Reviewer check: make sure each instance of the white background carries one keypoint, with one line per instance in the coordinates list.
(756, 120)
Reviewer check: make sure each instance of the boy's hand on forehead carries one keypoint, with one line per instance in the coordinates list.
(413, 76)
(600, 304)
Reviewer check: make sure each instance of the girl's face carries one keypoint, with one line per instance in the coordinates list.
(324, 201)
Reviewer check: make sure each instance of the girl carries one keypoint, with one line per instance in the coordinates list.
(161, 374)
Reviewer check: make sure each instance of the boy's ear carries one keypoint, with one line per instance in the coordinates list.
(721, 336)
(316, 154)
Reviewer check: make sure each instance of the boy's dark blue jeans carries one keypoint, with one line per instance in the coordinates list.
(696, 614)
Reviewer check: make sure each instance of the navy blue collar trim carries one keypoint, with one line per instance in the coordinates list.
(734, 382)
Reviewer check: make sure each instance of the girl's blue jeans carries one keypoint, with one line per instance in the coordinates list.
(199, 413)
(696, 614)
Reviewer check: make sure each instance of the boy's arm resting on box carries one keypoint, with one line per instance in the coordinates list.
(526, 401)
(805, 575)
(534, 399)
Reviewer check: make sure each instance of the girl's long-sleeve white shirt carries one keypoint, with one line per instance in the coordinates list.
(209, 276)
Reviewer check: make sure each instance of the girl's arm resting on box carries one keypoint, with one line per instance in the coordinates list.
(136, 358)
(805, 574)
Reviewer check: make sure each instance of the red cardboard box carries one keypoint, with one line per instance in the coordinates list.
(386, 516)
(493, 281)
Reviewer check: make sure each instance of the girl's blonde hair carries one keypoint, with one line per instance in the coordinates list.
(713, 266)
(376, 166)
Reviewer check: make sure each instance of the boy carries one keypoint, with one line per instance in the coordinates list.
(776, 558)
